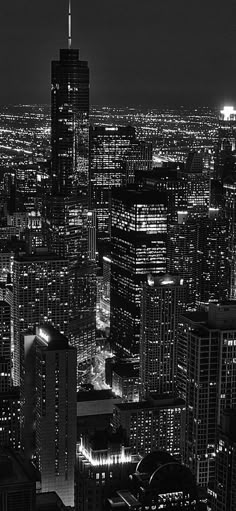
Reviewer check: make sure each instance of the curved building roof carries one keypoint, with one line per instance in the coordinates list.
(163, 474)
(152, 461)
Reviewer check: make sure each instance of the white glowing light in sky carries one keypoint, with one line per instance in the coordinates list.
(227, 112)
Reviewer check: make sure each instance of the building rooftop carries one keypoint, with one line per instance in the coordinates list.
(128, 498)
(15, 469)
(125, 370)
(151, 461)
(155, 401)
(95, 395)
(164, 280)
(220, 316)
(55, 340)
(49, 502)
(160, 472)
(198, 317)
(132, 195)
(43, 255)
(12, 393)
(100, 440)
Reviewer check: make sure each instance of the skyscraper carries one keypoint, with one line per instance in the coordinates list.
(230, 210)
(199, 250)
(115, 156)
(104, 460)
(225, 483)
(138, 247)
(50, 409)
(68, 209)
(40, 283)
(154, 424)
(226, 144)
(162, 301)
(10, 404)
(206, 379)
(6, 345)
(70, 154)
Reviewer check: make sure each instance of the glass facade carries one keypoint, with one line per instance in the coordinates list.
(138, 241)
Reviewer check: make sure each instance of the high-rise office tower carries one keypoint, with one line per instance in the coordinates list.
(138, 247)
(206, 380)
(198, 191)
(125, 381)
(212, 262)
(104, 461)
(194, 162)
(226, 144)
(6, 344)
(154, 424)
(198, 249)
(10, 415)
(187, 187)
(28, 183)
(230, 211)
(115, 155)
(183, 254)
(10, 404)
(225, 482)
(170, 180)
(68, 210)
(50, 409)
(104, 298)
(162, 301)
(70, 151)
(6, 264)
(40, 290)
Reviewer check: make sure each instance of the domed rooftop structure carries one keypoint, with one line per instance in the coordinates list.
(159, 474)
(152, 461)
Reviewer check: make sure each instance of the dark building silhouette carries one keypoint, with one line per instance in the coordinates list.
(230, 212)
(18, 479)
(10, 399)
(104, 462)
(225, 484)
(50, 409)
(69, 122)
(68, 203)
(159, 482)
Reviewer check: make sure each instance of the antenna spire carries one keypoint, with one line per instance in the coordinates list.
(69, 25)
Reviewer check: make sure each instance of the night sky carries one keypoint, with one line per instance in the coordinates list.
(140, 52)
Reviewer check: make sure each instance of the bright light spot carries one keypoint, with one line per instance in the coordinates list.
(228, 113)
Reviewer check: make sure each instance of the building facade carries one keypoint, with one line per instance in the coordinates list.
(50, 409)
(138, 247)
(162, 301)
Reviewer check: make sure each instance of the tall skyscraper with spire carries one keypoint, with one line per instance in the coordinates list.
(70, 190)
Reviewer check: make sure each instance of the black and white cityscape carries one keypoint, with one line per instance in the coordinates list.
(117, 298)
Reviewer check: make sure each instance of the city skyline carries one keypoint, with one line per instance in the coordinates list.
(185, 50)
(118, 261)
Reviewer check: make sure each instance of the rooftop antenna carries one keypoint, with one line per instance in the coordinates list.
(69, 25)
